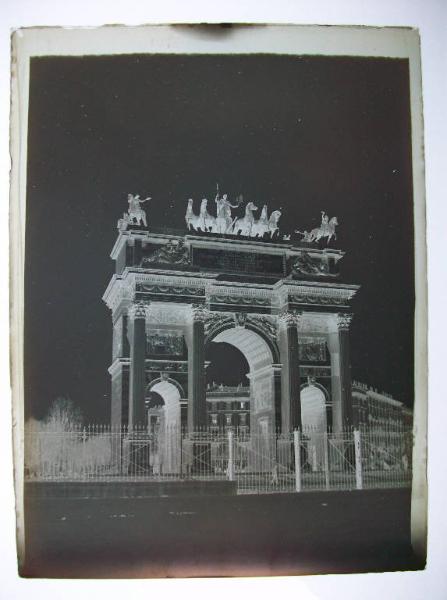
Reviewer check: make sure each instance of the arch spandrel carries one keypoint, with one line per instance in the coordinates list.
(223, 323)
(251, 344)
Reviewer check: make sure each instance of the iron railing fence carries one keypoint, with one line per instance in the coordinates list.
(266, 462)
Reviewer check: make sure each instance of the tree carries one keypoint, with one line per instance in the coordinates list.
(63, 415)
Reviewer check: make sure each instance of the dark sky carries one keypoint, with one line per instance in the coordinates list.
(302, 133)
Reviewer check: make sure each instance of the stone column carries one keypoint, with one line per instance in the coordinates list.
(290, 373)
(196, 370)
(137, 383)
(277, 389)
(342, 413)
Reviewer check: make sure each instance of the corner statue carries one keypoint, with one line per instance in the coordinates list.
(326, 229)
(135, 211)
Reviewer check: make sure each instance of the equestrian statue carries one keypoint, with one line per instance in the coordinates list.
(135, 211)
(326, 230)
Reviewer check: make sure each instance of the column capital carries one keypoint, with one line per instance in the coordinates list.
(198, 313)
(344, 321)
(138, 310)
(289, 319)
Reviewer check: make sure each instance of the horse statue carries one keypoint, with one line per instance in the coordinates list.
(273, 222)
(190, 217)
(261, 226)
(207, 222)
(135, 211)
(326, 229)
(204, 221)
(245, 224)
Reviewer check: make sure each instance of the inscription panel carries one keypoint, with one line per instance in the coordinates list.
(239, 262)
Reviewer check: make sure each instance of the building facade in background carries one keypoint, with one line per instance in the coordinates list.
(378, 409)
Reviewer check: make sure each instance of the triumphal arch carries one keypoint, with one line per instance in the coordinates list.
(232, 279)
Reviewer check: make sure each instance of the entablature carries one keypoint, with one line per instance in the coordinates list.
(300, 295)
(190, 288)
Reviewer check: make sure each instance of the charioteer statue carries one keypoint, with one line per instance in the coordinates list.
(224, 222)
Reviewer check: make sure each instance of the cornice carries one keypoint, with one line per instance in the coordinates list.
(171, 279)
(120, 288)
(117, 365)
(242, 290)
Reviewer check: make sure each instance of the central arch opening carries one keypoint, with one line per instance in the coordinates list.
(227, 387)
(227, 367)
(240, 381)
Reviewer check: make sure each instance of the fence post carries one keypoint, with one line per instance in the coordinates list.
(358, 460)
(230, 456)
(297, 449)
(181, 453)
(326, 460)
(84, 441)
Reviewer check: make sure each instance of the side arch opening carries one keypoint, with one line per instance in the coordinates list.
(165, 399)
(314, 422)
